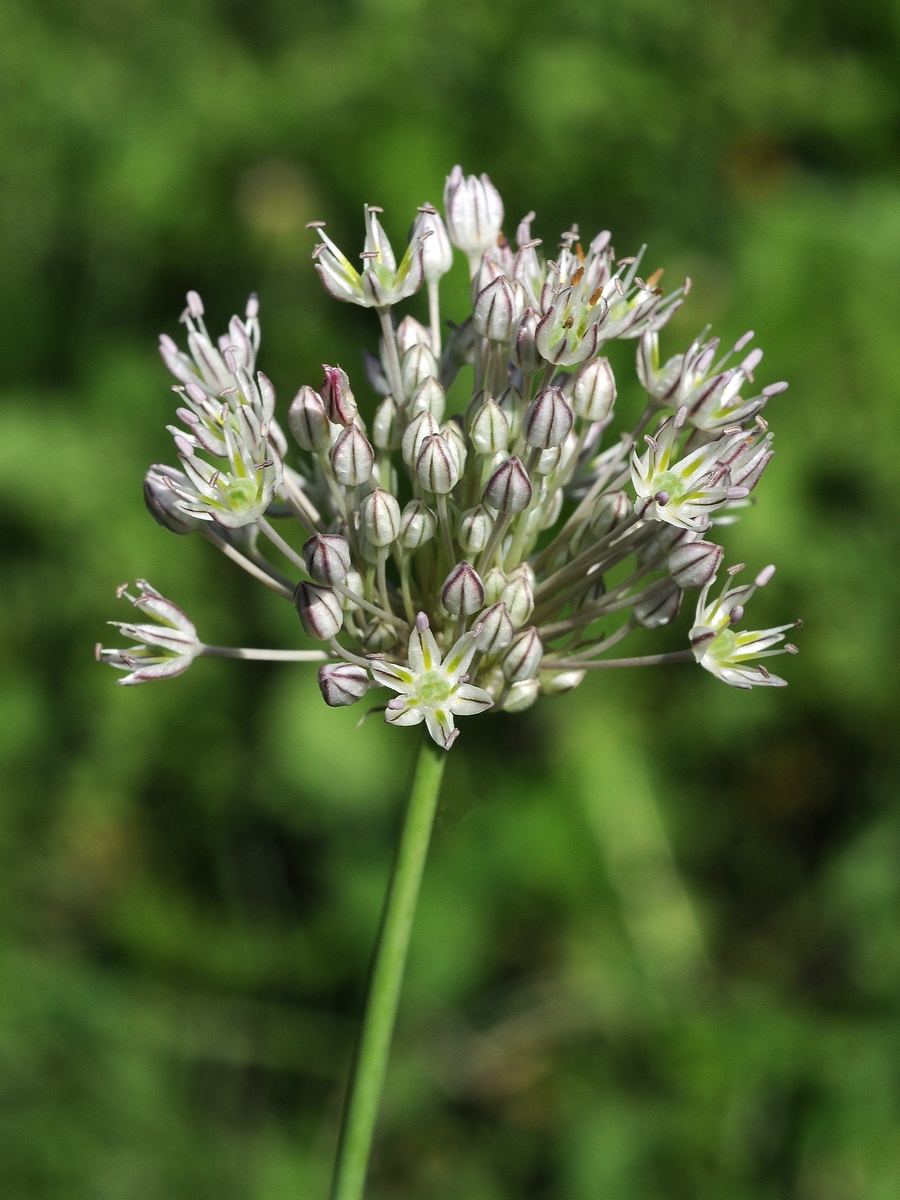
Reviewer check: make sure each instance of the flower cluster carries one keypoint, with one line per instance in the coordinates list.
(475, 554)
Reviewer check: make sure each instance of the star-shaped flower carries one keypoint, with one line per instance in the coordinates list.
(162, 650)
(432, 690)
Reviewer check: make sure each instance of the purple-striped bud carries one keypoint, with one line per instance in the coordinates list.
(695, 565)
(339, 401)
(510, 402)
(342, 683)
(309, 421)
(437, 467)
(422, 426)
(557, 683)
(660, 607)
(327, 558)
(475, 527)
(494, 583)
(496, 630)
(319, 609)
(548, 420)
(410, 331)
(378, 637)
(417, 525)
(429, 396)
(523, 659)
(594, 392)
(352, 458)
(609, 511)
(494, 314)
(518, 596)
(386, 425)
(523, 349)
(509, 488)
(474, 212)
(463, 591)
(380, 517)
(490, 429)
(418, 365)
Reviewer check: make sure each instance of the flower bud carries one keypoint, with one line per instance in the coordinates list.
(523, 350)
(511, 403)
(695, 565)
(371, 553)
(417, 525)
(352, 457)
(557, 683)
(660, 607)
(161, 502)
(456, 440)
(327, 558)
(474, 212)
(494, 314)
(342, 683)
(475, 527)
(437, 256)
(518, 596)
(319, 609)
(352, 583)
(418, 365)
(463, 591)
(422, 425)
(609, 511)
(428, 397)
(523, 659)
(548, 461)
(380, 516)
(437, 467)
(378, 637)
(386, 425)
(490, 429)
(509, 488)
(309, 421)
(548, 420)
(339, 401)
(496, 630)
(521, 695)
(410, 331)
(594, 392)
(494, 583)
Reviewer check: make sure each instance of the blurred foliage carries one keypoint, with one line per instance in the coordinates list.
(658, 953)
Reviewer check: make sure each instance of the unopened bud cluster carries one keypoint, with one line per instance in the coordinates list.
(475, 558)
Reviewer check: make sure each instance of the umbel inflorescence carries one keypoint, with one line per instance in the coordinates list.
(471, 561)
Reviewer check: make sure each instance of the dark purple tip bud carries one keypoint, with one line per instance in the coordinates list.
(417, 525)
(695, 564)
(594, 392)
(490, 429)
(463, 591)
(660, 607)
(509, 488)
(494, 314)
(548, 420)
(523, 659)
(609, 511)
(319, 609)
(352, 458)
(339, 401)
(327, 558)
(308, 421)
(342, 683)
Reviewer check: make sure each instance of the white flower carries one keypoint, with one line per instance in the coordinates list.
(381, 281)
(165, 649)
(432, 690)
(725, 653)
(474, 214)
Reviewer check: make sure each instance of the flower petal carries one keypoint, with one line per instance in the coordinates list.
(441, 727)
(468, 700)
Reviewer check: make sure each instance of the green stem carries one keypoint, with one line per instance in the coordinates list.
(370, 1065)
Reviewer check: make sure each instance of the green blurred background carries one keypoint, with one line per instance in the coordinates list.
(658, 951)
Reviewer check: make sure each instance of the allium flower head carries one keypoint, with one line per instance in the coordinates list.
(476, 557)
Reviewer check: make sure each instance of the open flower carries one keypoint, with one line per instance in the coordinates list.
(432, 690)
(381, 282)
(727, 654)
(165, 649)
